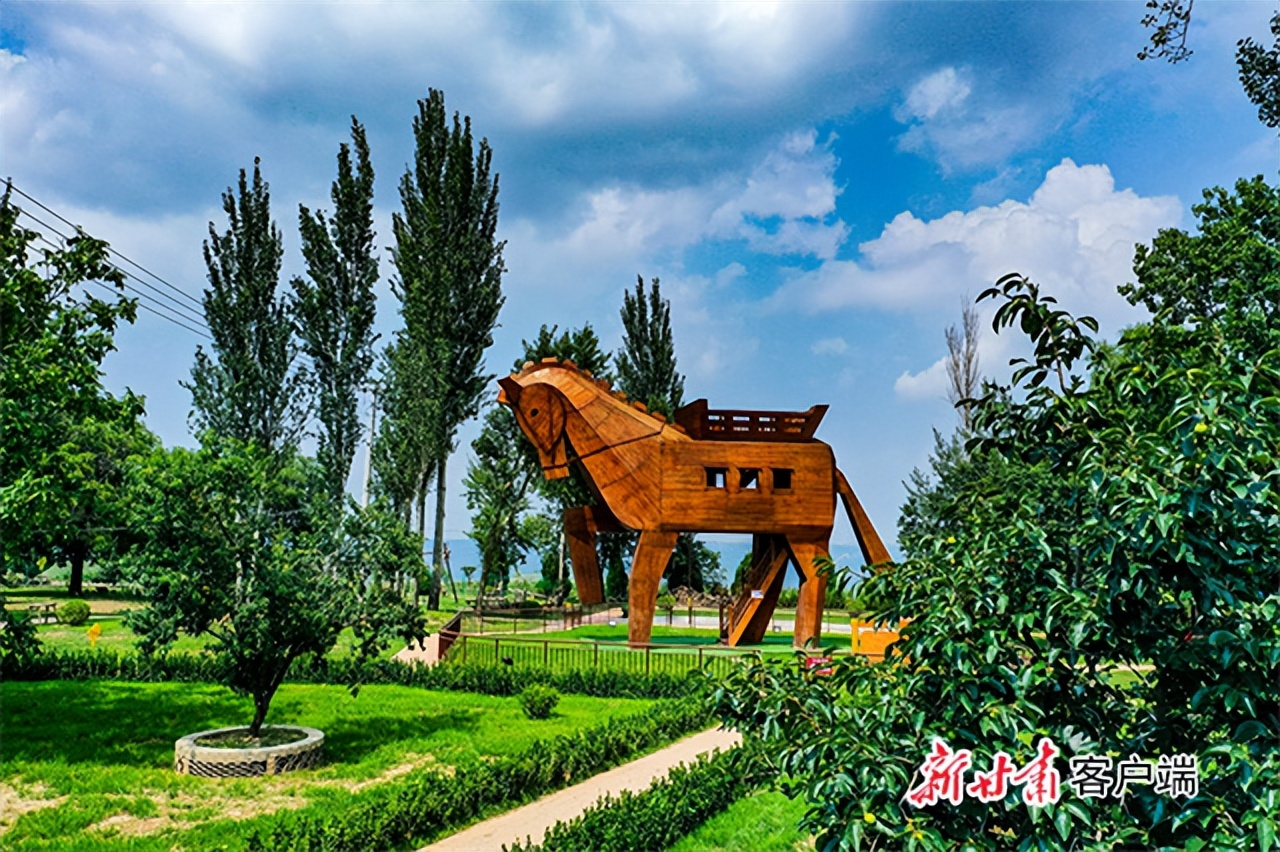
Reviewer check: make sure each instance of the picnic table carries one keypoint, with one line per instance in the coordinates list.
(44, 610)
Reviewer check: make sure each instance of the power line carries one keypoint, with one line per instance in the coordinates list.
(180, 310)
(141, 296)
(114, 251)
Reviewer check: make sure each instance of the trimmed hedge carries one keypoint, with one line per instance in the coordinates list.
(428, 804)
(657, 817)
(74, 612)
(483, 678)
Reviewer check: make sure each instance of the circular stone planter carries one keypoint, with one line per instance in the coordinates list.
(213, 762)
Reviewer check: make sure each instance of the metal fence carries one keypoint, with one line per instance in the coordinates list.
(567, 655)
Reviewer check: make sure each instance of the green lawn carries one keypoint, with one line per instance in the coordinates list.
(88, 765)
(108, 612)
(763, 822)
(662, 635)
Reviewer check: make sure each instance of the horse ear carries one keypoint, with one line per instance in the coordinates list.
(510, 393)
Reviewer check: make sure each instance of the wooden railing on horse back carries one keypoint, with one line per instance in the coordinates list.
(704, 424)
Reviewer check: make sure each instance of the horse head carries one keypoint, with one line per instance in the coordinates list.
(541, 412)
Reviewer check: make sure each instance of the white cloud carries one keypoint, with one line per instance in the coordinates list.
(784, 206)
(930, 383)
(941, 90)
(1075, 236)
(963, 132)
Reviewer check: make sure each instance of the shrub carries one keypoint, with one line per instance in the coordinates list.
(74, 612)
(484, 678)
(657, 817)
(395, 816)
(19, 644)
(538, 701)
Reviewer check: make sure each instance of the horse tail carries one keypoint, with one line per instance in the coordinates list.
(873, 549)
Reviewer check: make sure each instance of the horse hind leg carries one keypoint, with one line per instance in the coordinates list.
(813, 590)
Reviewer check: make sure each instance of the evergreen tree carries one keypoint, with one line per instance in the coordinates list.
(450, 269)
(249, 390)
(335, 308)
(647, 362)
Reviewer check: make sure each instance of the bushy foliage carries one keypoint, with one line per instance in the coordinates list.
(659, 816)
(64, 439)
(244, 546)
(483, 678)
(1108, 580)
(408, 814)
(538, 701)
(74, 612)
(19, 642)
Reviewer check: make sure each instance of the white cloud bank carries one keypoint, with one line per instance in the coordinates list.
(1075, 237)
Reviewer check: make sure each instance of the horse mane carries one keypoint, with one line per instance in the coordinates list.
(603, 389)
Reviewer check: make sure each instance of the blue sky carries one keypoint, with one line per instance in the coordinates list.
(818, 186)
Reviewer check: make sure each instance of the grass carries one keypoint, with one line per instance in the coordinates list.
(661, 635)
(88, 765)
(108, 613)
(765, 821)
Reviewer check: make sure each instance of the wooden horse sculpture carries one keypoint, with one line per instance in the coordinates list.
(711, 471)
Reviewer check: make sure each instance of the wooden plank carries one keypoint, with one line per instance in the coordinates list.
(813, 591)
(652, 554)
(751, 615)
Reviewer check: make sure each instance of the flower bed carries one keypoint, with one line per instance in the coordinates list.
(232, 757)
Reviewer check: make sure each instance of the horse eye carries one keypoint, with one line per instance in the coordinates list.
(533, 413)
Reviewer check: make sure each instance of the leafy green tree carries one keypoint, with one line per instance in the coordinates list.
(1260, 74)
(1226, 276)
(647, 362)
(249, 390)
(693, 565)
(1131, 607)
(64, 440)
(405, 447)
(450, 269)
(336, 307)
(647, 372)
(498, 487)
(243, 546)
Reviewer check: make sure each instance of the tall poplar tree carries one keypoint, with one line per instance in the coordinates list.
(335, 308)
(249, 390)
(647, 372)
(647, 362)
(450, 269)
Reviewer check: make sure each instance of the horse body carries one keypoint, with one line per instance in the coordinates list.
(653, 477)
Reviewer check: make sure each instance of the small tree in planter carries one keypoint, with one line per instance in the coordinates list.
(245, 547)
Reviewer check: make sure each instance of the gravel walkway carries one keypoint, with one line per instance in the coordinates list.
(534, 819)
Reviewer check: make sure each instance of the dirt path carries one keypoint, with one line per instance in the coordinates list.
(534, 819)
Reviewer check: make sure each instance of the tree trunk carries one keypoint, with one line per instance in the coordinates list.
(77, 553)
(261, 702)
(422, 530)
(437, 545)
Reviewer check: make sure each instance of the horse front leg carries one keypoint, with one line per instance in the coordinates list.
(652, 554)
(580, 534)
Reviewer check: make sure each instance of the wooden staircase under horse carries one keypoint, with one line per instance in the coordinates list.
(756, 472)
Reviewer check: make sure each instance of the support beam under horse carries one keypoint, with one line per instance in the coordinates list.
(756, 472)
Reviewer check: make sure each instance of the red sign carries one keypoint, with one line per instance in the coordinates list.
(818, 665)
